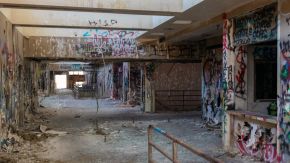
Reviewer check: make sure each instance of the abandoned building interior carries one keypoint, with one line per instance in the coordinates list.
(144, 81)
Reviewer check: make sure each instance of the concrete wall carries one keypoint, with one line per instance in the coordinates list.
(108, 46)
(95, 47)
(18, 93)
(174, 78)
(177, 76)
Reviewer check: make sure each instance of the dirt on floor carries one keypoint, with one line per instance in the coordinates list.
(66, 130)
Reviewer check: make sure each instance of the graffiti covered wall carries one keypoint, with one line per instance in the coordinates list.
(212, 90)
(254, 140)
(105, 81)
(284, 88)
(110, 43)
(14, 87)
(258, 26)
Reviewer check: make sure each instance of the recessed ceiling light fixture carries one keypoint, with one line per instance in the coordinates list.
(157, 34)
(182, 22)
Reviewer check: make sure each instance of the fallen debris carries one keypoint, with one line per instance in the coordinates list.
(7, 145)
(6, 160)
(58, 133)
(42, 128)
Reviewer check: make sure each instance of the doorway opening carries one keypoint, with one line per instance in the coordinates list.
(60, 81)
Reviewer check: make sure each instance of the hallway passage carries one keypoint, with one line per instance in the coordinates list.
(83, 81)
(68, 130)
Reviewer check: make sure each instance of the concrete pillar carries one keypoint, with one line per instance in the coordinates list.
(115, 81)
(283, 80)
(149, 96)
(126, 81)
(47, 82)
(228, 78)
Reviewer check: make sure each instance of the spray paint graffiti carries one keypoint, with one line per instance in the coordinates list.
(102, 23)
(114, 43)
(256, 27)
(241, 59)
(212, 89)
(284, 96)
(256, 141)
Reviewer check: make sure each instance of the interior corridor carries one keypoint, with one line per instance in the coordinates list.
(109, 81)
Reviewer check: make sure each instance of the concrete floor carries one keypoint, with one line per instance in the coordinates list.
(77, 133)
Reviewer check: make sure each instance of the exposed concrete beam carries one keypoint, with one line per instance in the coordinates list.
(144, 7)
(71, 19)
(109, 60)
(65, 32)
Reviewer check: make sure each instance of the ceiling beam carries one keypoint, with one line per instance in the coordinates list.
(71, 32)
(141, 7)
(76, 27)
(90, 20)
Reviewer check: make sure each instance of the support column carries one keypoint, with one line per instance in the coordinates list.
(283, 80)
(228, 79)
(149, 88)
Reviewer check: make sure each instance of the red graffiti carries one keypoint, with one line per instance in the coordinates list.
(240, 77)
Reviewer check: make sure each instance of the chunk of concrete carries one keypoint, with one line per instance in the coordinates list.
(42, 128)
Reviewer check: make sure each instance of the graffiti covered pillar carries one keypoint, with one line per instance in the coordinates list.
(212, 86)
(228, 77)
(115, 81)
(126, 81)
(149, 88)
(283, 132)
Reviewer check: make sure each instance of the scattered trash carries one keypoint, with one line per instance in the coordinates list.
(77, 116)
(6, 143)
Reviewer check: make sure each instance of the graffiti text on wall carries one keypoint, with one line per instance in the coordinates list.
(102, 23)
(256, 27)
(115, 43)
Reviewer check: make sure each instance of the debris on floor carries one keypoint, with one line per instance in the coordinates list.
(42, 128)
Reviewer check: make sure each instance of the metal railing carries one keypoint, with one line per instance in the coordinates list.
(178, 100)
(175, 143)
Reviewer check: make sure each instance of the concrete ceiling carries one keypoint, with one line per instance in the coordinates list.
(157, 17)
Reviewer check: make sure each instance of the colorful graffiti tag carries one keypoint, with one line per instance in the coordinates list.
(212, 89)
(108, 42)
(256, 141)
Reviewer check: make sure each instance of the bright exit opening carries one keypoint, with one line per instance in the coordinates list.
(60, 81)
